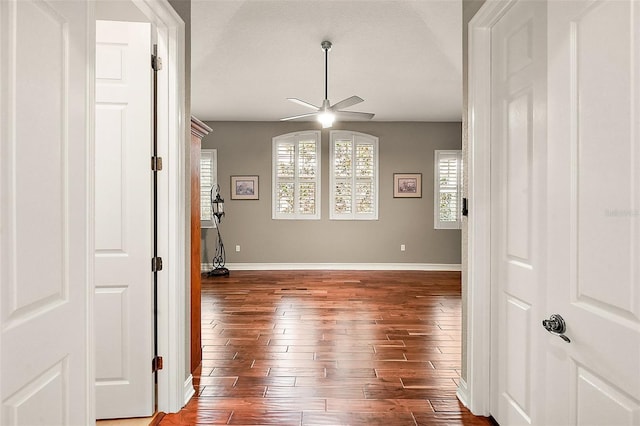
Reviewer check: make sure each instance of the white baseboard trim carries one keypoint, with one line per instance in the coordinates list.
(189, 391)
(338, 266)
(463, 393)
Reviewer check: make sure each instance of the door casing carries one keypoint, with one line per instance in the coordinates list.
(174, 384)
(473, 389)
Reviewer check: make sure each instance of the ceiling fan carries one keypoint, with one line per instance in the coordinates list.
(327, 113)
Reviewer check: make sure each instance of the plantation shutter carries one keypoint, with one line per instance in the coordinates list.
(448, 189)
(342, 173)
(365, 173)
(285, 177)
(208, 179)
(307, 171)
(354, 176)
(296, 176)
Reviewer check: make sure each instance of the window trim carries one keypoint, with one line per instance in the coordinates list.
(343, 134)
(213, 154)
(296, 138)
(437, 222)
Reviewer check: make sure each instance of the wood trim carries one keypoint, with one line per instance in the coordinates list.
(157, 418)
(198, 131)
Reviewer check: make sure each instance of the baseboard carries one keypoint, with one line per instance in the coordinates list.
(463, 393)
(157, 418)
(189, 391)
(338, 266)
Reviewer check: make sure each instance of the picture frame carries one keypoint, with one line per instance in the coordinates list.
(245, 188)
(407, 185)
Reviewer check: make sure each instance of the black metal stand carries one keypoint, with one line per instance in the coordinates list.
(219, 259)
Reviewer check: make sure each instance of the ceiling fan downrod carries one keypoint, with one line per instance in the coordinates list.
(326, 46)
(327, 113)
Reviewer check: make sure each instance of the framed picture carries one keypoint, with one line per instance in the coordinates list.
(244, 187)
(407, 185)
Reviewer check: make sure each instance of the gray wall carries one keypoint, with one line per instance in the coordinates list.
(244, 148)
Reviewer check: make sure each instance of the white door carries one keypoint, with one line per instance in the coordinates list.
(593, 279)
(44, 176)
(123, 221)
(517, 164)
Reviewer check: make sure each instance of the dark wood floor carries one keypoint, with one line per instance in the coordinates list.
(329, 348)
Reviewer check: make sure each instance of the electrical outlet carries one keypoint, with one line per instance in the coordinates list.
(237, 248)
(402, 247)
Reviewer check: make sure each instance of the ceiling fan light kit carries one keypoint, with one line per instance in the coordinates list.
(327, 113)
(326, 117)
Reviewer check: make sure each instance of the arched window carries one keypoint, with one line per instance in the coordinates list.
(296, 176)
(353, 179)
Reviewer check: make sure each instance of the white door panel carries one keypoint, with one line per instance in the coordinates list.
(44, 253)
(594, 224)
(518, 94)
(123, 237)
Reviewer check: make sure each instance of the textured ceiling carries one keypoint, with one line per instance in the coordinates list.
(404, 58)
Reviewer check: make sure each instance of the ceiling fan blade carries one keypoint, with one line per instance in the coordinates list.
(298, 116)
(354, 114)
(303, 103)
(346, 103)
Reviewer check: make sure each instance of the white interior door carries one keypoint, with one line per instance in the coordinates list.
(518, 141)
(594, 212)
(44, 176)
(123, 236)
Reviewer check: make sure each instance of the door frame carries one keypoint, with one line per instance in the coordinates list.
(173, 390)
(475, 391)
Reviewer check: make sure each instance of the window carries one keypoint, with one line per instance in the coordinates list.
(296, 176)
(354, 176)
(448, 189)
(208, 179)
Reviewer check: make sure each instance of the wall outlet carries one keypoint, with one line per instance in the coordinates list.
(402, 247)
(237, 248)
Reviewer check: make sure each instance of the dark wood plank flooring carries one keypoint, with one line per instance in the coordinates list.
(329, 348)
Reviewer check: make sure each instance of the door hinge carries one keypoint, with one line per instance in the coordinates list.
(156, 63)
(156, 364)
(156, 264)
(156, 164)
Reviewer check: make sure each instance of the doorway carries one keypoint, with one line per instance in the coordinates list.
(587, 159)
(164, 29)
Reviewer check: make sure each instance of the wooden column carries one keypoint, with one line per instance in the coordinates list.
(198, 131)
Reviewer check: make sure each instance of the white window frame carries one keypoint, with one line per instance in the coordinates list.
(206, 211)
(438, 223)
(295, 138)
(356, 138)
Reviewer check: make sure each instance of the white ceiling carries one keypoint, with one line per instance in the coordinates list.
(404, 58)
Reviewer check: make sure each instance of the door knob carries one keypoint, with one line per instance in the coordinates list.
(556, 325)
